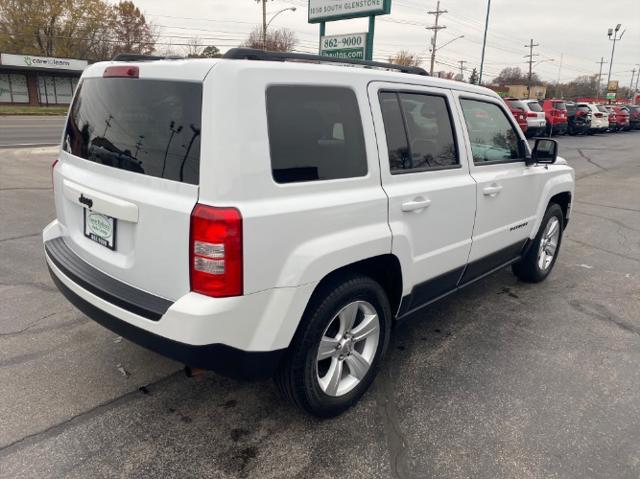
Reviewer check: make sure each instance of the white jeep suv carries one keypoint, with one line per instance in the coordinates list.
(258, 216)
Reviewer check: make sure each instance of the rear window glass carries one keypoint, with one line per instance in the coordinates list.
(151, 127)
(559, 105)
(315, 133)
(534, 106)
(517, 104)
(603, 109)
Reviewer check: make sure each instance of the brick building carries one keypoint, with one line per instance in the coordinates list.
(36, 80)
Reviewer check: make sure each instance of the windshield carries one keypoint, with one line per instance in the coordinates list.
(150, 127)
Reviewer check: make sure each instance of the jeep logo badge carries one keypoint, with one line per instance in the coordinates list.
(85, 201)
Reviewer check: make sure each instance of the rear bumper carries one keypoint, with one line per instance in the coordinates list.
(242, 337)
(559, 128)
(223, 359)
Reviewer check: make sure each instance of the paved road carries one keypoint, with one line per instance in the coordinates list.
(502, 380)
(30, 130)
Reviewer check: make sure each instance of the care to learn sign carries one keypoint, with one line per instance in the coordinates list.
(344, 46)
(33, 61)
(326, 10)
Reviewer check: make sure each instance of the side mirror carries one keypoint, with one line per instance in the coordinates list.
(544, 150)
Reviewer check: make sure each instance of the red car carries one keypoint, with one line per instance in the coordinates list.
(613, 125)
(555, 112)
(622, 117)
(519, 114)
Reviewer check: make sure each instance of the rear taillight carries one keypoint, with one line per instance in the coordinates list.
(532, 114)
(53, 167)
(215, 253)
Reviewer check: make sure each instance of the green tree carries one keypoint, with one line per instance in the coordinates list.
(473, 78)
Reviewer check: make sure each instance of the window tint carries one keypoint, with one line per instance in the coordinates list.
(315, 133)
(151, 127)
(491, 134)
(395, 132)
(419, 132)
(534, 106)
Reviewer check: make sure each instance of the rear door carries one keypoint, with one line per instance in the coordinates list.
(128, 175)
(431, 194)
(508, 190)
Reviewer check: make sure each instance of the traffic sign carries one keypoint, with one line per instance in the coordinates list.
(352, 46)
(611, 95)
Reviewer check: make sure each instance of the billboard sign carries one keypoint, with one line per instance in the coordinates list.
(328, 10)
(613, 85)
(344, 46)
(33, 61)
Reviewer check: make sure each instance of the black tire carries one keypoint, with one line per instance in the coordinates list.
(527, 269)
(297, 377)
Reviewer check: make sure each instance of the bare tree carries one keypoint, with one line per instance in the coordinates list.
(281, 40)
(405, 58)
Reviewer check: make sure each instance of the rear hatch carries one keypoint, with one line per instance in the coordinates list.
(559, 111)
(128, 174)
(535, 114)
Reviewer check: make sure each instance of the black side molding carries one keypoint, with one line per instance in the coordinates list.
(110, 289)
(223, 359)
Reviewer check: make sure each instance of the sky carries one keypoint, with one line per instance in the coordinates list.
(572, 33)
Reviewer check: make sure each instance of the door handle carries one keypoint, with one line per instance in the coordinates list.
(492, 190)
(416, 204)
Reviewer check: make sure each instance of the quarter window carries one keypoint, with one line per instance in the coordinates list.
(315, 133)
(418, 131)
(492, 136)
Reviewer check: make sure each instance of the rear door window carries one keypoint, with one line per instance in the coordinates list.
(150, 127)
(419, 132)
(315, 133)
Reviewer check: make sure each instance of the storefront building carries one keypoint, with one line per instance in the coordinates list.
(38, 81)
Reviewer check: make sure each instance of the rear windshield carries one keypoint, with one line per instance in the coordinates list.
(559, 105)
(603, 109)
(517, 104)
(151, 127)
(534, 106)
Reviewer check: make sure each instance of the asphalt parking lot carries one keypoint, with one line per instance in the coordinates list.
(501, 380)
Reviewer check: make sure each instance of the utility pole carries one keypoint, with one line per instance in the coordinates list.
(613, 49)
(599, 84)
(264, 24)
(435, 29)
(484, 40)
(530, 57)
(462, 62)
(633, 74)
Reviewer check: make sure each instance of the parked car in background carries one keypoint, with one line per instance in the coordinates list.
(599, 119)
(578, 119)
(634, 116)
(555, 112)
(622, 117)
(518, 113)
(536, 122)
(611, 116)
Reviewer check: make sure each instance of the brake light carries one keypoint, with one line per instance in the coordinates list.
(532, 114)
(215, 253)
(121, 71)
(53, 167)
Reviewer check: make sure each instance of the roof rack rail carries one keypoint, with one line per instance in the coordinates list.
(139, 57)
(255, 54)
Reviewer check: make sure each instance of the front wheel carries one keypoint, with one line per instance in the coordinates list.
(539, 260)
(335, 355)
